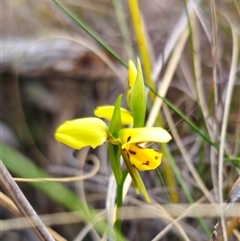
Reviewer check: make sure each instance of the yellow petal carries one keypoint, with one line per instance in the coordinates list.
(141, 135)
(144, 159)
(132, 74)
(82, 132)
(107, 112)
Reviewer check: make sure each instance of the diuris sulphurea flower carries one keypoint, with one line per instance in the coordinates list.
(92, 131)
(128, 142)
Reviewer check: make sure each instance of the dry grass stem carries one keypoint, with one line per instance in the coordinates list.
(23, 205)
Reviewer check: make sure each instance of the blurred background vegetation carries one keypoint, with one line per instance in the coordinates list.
(52, 71)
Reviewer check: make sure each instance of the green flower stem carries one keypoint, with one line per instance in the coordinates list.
(118, 223)
(114, 157)
(112, 139)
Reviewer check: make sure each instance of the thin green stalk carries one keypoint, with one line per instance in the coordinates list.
(190, 123)
(123, 27)
(204, 135)
(118, 223)
(90, 32)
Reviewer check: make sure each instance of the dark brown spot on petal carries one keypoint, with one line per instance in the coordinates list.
(133, 152)
(129, 138)
(146, 163)
(156, 157)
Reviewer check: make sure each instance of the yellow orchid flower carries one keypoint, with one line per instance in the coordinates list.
(144, 159)
(128, 142)
(94, 132)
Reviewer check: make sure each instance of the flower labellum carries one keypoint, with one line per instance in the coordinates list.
(144, 159)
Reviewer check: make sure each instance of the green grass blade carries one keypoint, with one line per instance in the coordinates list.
(90, 32)
(123, 25)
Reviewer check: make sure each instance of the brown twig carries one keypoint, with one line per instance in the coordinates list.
(22, 203)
